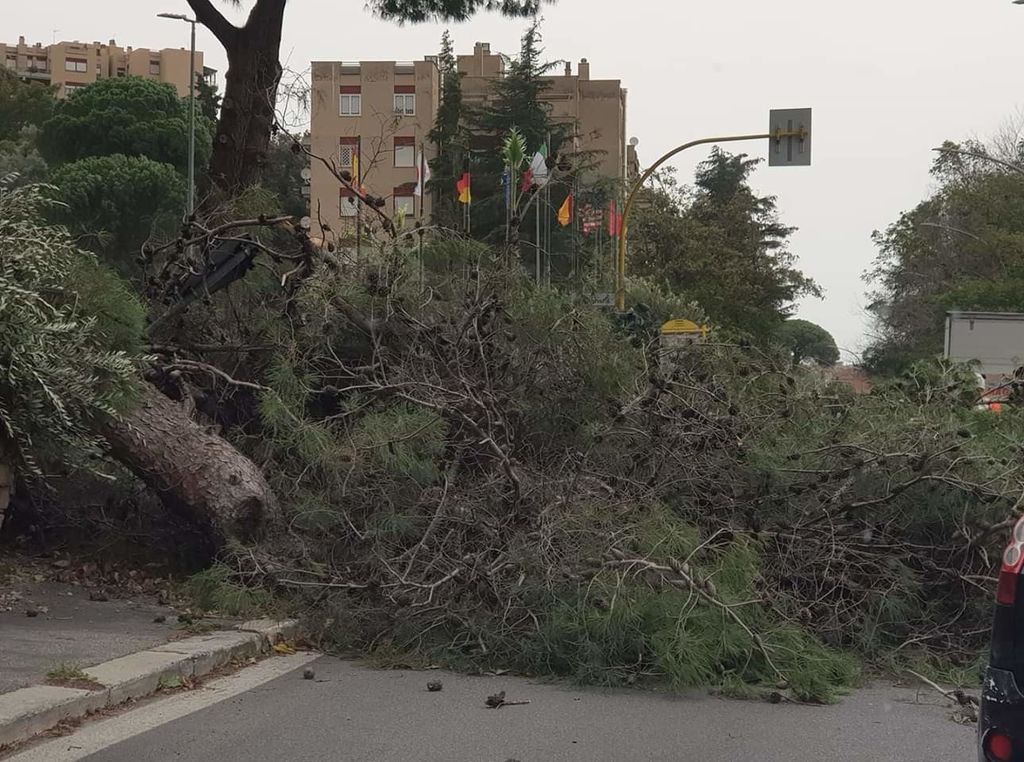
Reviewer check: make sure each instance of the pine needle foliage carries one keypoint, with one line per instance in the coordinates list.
(58, 363)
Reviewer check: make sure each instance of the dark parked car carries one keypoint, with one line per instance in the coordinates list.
(1001, 722)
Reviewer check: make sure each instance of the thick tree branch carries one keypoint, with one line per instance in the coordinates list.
(266, 12)
(212, 19)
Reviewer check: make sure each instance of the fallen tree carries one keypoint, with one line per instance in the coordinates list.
(486, 472)
(196, 473)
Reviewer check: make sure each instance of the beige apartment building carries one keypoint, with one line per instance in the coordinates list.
(68, 66)
(596, 106)
(370, 119)
(376, 115)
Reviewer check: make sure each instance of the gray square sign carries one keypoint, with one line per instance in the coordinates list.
(790, 150)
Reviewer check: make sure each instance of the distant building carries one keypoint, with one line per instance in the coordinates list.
(852, 376)
(68, 66)
(376, 115)
(596, 106)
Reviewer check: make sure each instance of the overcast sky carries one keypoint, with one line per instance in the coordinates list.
(888, 80)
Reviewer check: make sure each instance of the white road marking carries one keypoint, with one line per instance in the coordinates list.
(98, 735)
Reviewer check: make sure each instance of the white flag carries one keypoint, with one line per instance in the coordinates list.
(422, 175)
(539, 167)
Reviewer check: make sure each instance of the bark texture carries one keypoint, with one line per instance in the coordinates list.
(250, 92)
(197, 474)
(6, 481)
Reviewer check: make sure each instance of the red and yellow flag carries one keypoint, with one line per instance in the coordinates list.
(463, 187)
(565, 213)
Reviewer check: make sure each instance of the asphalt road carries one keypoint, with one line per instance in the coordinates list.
(70, 629)
(350, 712)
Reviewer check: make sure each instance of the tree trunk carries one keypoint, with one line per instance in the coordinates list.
(250, 93)
(196, 474)
(6, 480)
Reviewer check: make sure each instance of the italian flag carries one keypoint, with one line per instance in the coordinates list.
(537, 172)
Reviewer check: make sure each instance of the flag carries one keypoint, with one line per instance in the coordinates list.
(591, 219)
(357, 184)
(614, 220)
(537, 172)
(462, 186)
(506, 185)
(422, 175)
(565, 213)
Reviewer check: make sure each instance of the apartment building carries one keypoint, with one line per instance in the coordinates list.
(375, 116)
(596, 106)
(68, 66)
(371, 119)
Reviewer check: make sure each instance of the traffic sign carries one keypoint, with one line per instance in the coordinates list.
(790, 141)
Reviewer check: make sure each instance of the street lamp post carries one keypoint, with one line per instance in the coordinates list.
(192, 110)
(778, 133)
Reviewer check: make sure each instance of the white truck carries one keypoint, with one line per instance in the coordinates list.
(992, 340)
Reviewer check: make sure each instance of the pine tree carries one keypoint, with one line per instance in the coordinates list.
(721, 245)
(517, 99)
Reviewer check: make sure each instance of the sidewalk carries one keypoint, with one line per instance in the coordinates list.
(127, 648)
(68, 628)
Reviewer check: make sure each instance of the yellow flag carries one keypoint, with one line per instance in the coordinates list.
(565, 213)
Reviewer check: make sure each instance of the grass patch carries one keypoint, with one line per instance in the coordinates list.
(67, 675)
(198, 627)
(217, 590)
(170, 682)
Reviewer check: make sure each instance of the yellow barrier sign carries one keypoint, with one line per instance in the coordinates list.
(681, 326)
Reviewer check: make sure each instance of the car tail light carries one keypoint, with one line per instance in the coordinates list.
(998, 747)
(1013, 560)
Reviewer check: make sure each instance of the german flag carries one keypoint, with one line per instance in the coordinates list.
(462, 186)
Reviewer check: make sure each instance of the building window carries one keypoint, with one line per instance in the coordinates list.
(350, 103)
(70, 89)
(76, 64)
(405, 152)
(405, 205)
(154, 68)
(12, 62)
(348, 204)
(347, 153)
(405, 104)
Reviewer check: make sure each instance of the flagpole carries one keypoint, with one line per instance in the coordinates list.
(359, 203)
(508, 201)
(547, 209)
(572, 220)
(421, 183)
(536, 239)
(423, 270)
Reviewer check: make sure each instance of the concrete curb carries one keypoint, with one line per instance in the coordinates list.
(29, 711)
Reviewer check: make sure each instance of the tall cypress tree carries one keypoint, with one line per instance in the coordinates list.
(516, 103)
(450, 137)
